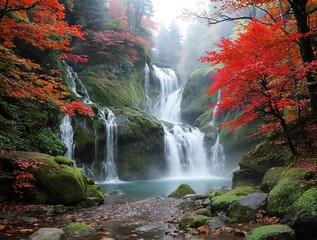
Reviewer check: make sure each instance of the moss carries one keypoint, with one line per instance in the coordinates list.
(215, 194)
(187, 205)
(95, 191)
(224, 201)
(194, 101)
(77, 227)
(64, 160)
(283, 195)
(182, 190)
(307, 202)
(193, 221)
(204, 212)
(278, 231)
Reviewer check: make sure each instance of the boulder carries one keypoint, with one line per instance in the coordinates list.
(188, 205)
(182, 191)
(223, 202)
(203, 211)
(257, 162)
(305, 220)
(283, 195)
(48, 234)
(246, 209)
(193, 221)
(61, 184)
(215, 223)
(78, 230)
(271, 232)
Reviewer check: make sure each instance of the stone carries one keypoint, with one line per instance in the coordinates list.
(116, 192)
(181, 191)
(187, 205)
(271, 232)
(204, 212)
(92, 202)
(215, 223)
(28, 220)
(48, 234)
(193, 221)
(195, 197)
(246, 209)
(59, 209)
(78, 229)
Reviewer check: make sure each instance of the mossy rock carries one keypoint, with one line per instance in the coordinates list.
(194, 101)
(283, 195)
(271, 232)
(215, 194)
(61, 184)
(78, 229)
(187, 205)
(193, 221)
(224, 201)
(204, 211)
(64, 160)
(307, 202)
(181, 191)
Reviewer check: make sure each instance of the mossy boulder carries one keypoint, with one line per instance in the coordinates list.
(258, 161)
(188, 205)
(271, 232)
(78, 229)
(283, 195)
(203, 211)
(247, 208)
(224, 201)
(193, 221)
(60, 183)
(304, 221)
(64, 160)
(182, 190)
(140, 144)
(194, 101)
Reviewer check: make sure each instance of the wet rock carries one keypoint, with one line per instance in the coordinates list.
(188, 205)
(204, 212)
(116, 192)
(305, 225)
(59, 209)
(78, 230)
(246, 209)
(195, 197)
(147, 228)
(28, 220)
(48, 234)
(269, 232)
(193, 221)
(206, 203)
(41, 210)
(215, 223)
(92, 202)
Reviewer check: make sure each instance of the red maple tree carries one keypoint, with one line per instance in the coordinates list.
(260, 76)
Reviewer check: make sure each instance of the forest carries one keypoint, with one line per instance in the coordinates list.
(112, 111)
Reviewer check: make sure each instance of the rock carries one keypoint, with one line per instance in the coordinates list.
(188, 205)
(182, 191)
(195, 197)
(78, 229)
(193, 221)
(28, 220)
(147, 228)
(216, 193)
(257, 162)
(206, 203)
(48, 234)
(61, 184)
(92, 202)
(204, 212)
(41, 210)
(305, 220)
(271, 232)
(246, 209)
(116, 192)
(285, 192)
(222, 202)
(215, 223)
(59, 209)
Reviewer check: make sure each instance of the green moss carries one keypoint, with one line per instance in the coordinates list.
(95, 191)
(64, 160)
(224, 201)
(182, 190)
(188, 205)
(283, 195)
(215, 194)
(204, 212)
(77, 227)
(193, 221)
(307, 202)
(281, 232)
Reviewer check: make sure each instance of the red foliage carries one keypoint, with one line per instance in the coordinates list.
(72, 108)
(258, 76)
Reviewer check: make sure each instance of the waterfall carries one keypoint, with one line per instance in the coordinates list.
(109, 166)
(104, 170)
(185, 150)
(216, 154)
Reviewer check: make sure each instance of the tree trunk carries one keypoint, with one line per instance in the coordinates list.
(306, 48)
(288, 137)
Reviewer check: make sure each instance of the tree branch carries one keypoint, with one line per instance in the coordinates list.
(7, 9)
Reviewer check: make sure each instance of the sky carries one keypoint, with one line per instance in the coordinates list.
(166, 10)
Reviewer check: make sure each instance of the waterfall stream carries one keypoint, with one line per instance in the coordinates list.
(106, 169)
(185, 151)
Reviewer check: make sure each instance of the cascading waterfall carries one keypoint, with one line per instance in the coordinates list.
(216, 154)
(106, 169)
(185, 151)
